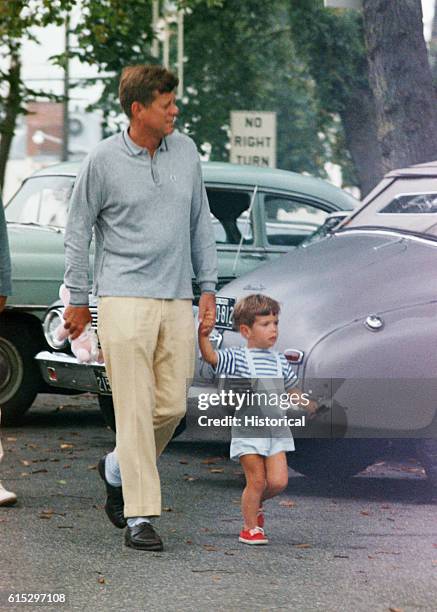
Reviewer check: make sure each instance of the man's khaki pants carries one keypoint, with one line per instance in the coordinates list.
(148, 346)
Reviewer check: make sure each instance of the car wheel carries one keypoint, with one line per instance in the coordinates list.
(332, 460)
(20, 378)
(107, 408)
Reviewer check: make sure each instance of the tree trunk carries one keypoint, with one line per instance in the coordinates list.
(359, 123)
(12, 110)
(401, 81)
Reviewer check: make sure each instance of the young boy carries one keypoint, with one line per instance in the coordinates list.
(262, 458)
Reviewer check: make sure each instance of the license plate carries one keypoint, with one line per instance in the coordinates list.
(103, 382)
(223, 312)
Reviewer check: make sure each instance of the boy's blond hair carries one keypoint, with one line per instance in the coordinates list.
(256, 305)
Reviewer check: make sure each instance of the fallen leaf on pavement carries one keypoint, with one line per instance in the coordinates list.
(391, 609)
(183, 461)
(11, 439)
(228, 552)
(365, 512)
(341, 556)
(189, 478)
(66, 445)
(216, 470)
(210, 548)
(25, 462)
(302, 545)
(92, 467)
(62, 482)
(41, 471)
(188, 541)
(101, 580)
(167, 509)
(211, 460)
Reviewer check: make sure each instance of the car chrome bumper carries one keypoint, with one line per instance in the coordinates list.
(63, 371)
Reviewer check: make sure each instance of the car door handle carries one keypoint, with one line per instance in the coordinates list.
(253, 256)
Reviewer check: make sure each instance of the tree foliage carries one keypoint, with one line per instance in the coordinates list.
(332, 44)
(239, 56)
(17, 21)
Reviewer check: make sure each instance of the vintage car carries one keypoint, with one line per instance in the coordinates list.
(359, 324)
(257, 214)
(361, 330)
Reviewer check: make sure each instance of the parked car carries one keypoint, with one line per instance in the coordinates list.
(359, 324)
(258, 214)
(361, 329)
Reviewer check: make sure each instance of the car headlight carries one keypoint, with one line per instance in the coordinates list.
(51, 323)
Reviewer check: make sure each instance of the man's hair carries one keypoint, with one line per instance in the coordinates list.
(252, 306)
(139, 84)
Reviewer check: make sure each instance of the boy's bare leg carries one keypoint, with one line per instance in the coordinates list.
(276, 475)
(255, 472)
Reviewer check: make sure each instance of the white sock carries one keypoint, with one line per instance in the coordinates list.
(133, 521)
(112, 469)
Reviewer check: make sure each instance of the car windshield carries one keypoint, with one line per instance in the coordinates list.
(41, 200)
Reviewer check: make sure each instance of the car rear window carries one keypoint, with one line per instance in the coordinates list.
(412, 203)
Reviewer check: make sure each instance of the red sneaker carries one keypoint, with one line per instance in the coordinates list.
(254, 536)
(260, 518)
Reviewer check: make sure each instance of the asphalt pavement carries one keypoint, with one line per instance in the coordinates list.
(368, 544)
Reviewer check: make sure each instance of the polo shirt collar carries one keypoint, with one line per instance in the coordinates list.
(135, 149)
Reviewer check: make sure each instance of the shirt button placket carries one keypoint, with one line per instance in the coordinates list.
(154, 166)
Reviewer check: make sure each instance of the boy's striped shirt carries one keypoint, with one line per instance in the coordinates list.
(232, 362)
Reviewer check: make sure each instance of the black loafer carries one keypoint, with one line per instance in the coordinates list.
(114, 506)
(143, 537)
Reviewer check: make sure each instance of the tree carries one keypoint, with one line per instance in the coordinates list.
(239, 56)
(401, 80)
(17, 19)
(331, 42)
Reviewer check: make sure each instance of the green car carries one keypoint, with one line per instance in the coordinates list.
(257, 214)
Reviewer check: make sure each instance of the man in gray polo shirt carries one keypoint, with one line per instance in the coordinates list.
(6, 497)
(142, 192)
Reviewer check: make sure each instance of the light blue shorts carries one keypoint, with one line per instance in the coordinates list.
(260, 446)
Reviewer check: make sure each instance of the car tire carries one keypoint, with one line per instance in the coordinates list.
(107, 408)
(332, 460)
(20, 378)
(427, 455)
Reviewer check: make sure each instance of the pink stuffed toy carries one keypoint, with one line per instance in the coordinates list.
(85, 347)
